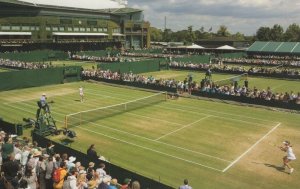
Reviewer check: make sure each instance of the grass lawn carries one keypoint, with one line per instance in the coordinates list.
(214, 145)
(276, 85)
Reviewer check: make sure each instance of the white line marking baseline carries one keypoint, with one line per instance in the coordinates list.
(247, 151)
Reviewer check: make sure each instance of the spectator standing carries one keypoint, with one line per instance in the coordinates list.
(135, 185)
(7, 148)
(91, 152)
(41, 171)
(50, 166)
(185, 185)
(11, 169)
(63, 173)
(30, 177)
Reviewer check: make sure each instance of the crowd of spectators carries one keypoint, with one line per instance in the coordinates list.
(25, 165)
(96, 58)
(263, 62)
(149, 55)
(253, 70)
(187, 85)
(15, 64)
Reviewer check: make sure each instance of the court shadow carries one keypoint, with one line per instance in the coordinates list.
(278, 168)
(66, 141)
(77, 100)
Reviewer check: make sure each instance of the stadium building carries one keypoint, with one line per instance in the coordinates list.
(71, 25)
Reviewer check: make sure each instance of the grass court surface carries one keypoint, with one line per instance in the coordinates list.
(214, 145)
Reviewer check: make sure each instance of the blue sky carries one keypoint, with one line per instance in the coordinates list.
(244, 16)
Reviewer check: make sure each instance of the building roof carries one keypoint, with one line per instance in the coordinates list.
(275, 47)
(86, 4)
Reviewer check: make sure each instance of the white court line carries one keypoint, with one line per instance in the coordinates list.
(188, 125)
(199, 113)
(194, 108)
(241, 156)
(129, 134)
(37, 99)
(138, 136)
(150, 149)
(174, 123)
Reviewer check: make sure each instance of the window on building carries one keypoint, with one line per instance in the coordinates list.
(48, 28)
(70, 29)
(105, 29)
(32, 28)
(5, 27)
(76, 29)
(16, 28)
(25, 28)
(95, 29)
(100, 29)
(37, 28)
(55, 28)
(61, 28)
(82, 29)
(88, 29)
(92, 22)
(116, 30)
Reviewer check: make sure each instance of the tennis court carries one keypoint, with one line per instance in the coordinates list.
(166, 140)
(178, 132)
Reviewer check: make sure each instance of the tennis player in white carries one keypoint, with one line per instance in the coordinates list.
(290, 155)
(81, 93)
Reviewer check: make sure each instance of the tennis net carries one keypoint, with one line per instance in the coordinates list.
(231, 80)
(83, 117)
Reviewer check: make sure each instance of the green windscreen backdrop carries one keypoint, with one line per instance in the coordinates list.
(134, 67)
(40, 77)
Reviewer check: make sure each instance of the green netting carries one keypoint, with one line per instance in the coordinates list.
(35, 56)
(83, 117)
(134, 67)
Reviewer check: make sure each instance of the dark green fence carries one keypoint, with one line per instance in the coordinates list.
(134, 67)
(116, 171)
(39, 77)
(35, 56)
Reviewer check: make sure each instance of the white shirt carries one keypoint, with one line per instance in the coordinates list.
(290, 153)
(81, 91)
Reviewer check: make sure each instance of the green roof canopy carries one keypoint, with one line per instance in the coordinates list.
(275, 47)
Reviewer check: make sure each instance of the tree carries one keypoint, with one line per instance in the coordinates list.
(223, 32)
(292, 33)
(156, 34)
(276, 33)
(167, 35)
(239, 36)
(263, 34)
(190, 35)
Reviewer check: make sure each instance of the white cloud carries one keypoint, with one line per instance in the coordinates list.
(238, 15)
